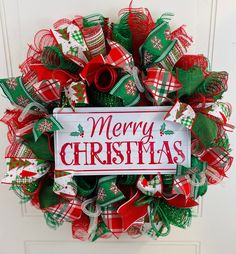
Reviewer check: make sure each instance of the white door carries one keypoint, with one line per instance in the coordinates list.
(212, 25)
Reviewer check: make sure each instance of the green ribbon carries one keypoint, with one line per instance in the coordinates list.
(127, 179)
(197, 166)
(86, 185)
(100, 99)
(53, 59)
(16, 92)
(108, 192)
(121, 33)
(167, 183)
(18, 190)
(93, 20)
(214, 85)
(47, 196)
(51, 222)
(209, 134)
(160, 211)
(101, 230)
(190, 79)
(40, 148)
(43, 125)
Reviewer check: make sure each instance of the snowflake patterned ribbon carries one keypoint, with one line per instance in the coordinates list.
(108, 192)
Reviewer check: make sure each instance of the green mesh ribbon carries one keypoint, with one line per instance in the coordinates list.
(190, 79)
(52, 58)
(41, 147)
(214, 85)
(121, 33)
(209, 134)
(47, 196)
(100, 99)
(179, 217)
(93, 20)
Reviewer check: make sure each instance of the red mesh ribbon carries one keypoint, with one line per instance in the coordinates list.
(186, 62)
(42, 39)
(141, 24)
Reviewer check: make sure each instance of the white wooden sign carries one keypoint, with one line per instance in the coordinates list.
(130, 140)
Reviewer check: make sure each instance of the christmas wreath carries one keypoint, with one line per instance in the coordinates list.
(92, 62)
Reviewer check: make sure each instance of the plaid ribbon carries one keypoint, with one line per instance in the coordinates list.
(160, 83)
(182, 186)
(69, 212)
(113, 220)
(48, 90)
(217, 157)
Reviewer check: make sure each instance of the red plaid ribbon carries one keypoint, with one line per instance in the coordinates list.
(160, 83)
(66, 212)
(118, 56)
(48, 90)
(112, 220)
(217, 157)
(182, 186)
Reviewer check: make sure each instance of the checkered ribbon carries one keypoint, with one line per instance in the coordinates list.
(160, 83)
(69, 212)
